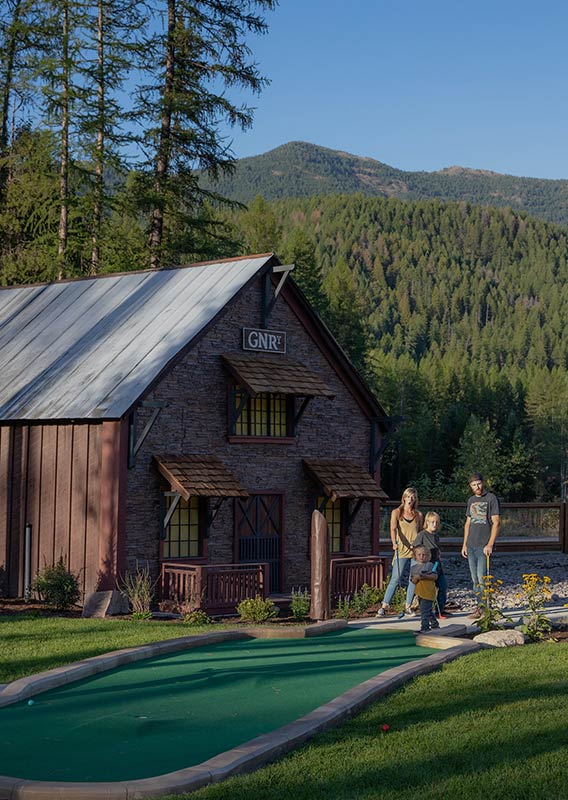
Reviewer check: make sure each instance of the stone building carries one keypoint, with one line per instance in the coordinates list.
(187, 419)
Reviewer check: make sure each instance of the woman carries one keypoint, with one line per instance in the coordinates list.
(405, 524)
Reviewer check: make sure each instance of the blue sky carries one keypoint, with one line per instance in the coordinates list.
(418, 84)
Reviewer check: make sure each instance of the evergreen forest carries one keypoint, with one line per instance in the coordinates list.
(112, 159)
(456, 315)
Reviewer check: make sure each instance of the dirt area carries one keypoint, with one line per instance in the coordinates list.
(12, 606)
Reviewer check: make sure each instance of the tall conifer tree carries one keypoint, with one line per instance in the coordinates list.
(200, 55)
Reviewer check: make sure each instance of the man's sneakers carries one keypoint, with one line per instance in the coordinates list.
(381, 612)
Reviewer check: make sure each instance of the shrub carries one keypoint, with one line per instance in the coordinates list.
(491, 618)
(343, 610)
(197, 618)
(536, 591)
(139, 587)
(256, 610)
(365, 598)
(57, 586)
(300, 604)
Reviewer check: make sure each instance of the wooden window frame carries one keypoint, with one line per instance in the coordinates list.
(248, 410)
(343, 517)
(203, 506)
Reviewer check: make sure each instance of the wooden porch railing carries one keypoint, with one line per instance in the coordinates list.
(349, 574)
(524, 526)
(218, 588)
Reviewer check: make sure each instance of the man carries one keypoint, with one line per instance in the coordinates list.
(480, 531)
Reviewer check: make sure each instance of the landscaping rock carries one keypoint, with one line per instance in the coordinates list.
(105, 604)
(509, 638)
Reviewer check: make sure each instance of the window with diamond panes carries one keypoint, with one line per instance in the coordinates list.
(334, 519)
(263, 414)
(184, 533)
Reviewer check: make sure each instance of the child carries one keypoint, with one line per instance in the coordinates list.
(430, 538)
(423, 575)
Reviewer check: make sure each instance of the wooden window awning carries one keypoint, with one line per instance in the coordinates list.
(282, 375)
(343, 479)
(201, 476)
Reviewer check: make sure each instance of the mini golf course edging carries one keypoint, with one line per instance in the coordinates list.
(243, 758)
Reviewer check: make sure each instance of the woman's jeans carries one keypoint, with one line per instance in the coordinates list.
(477, 561)
(398, 570)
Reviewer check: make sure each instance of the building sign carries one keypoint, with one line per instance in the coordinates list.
(264, 340)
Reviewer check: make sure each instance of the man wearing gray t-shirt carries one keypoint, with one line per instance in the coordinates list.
(480, 531)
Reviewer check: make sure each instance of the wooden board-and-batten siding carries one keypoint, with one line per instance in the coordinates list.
(65, 480)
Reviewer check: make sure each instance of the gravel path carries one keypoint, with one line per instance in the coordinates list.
(509, 567)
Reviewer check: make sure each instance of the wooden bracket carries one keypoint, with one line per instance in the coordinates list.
(170, 512)
(267, 301)
(134, 444)
(376, 452)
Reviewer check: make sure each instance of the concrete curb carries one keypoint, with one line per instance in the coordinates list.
(244, 758)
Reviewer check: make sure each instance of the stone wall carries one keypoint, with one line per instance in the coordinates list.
(196, 421)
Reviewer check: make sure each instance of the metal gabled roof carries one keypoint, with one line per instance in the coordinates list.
(88, 349)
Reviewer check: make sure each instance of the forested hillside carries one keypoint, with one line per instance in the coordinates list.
(298, 169)
(457, 315)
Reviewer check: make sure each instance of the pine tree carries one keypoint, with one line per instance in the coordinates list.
(201, 55)
(260, 230)
(343, 313)
(300, 250)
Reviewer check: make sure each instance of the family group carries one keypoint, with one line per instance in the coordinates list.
(416, 552)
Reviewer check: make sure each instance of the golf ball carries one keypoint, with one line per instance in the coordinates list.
(31, 702)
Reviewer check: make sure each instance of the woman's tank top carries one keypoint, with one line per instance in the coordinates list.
(410, 532)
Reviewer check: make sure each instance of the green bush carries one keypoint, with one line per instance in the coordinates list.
(344, 607)
(197, 618)
(300, 604)
(256, 610)
(57, 586)
(365, 598)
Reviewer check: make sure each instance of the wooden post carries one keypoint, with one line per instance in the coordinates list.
(198, 589)
(320, 607)
(564, 527)
(265, 581)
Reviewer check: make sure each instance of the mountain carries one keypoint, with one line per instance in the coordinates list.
(299, 169)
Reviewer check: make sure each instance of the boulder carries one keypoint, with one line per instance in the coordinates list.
(105, 604)
(509, 638)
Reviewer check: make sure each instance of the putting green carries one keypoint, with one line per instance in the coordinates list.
(168, 713)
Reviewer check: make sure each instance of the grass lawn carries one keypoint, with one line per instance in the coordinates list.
(490, 725)
(33, 644)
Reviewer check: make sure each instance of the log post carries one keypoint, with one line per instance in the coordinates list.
(320, 607)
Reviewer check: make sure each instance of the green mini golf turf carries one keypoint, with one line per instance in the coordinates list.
(167, 713)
